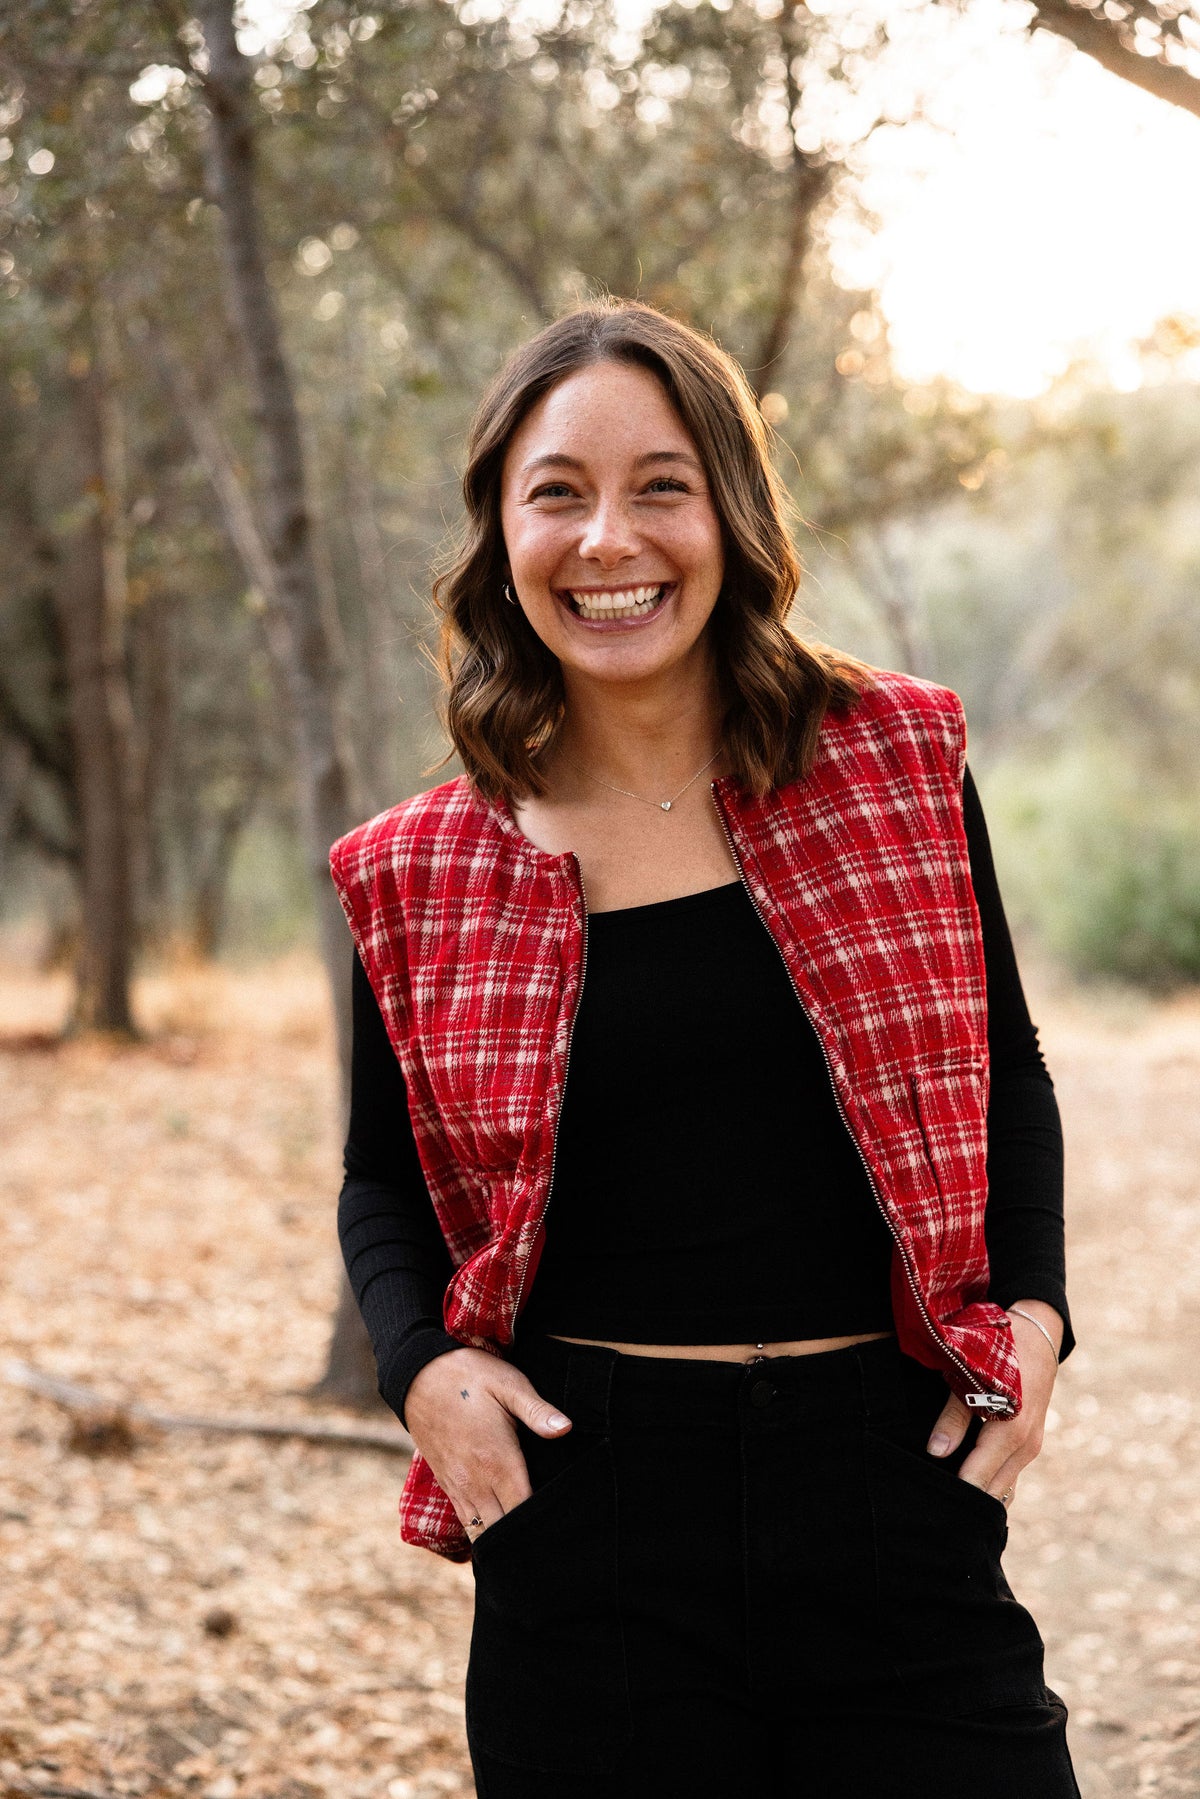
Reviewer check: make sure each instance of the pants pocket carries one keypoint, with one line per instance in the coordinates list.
(945, 1488)
(546, 1685)
(953, 1626)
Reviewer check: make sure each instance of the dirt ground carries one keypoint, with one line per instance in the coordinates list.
(214, 1617)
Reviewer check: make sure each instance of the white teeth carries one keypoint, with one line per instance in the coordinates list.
(628, 602)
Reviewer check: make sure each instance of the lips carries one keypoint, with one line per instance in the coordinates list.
(601, 605)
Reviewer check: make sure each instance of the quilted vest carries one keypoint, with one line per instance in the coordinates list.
(474, 942)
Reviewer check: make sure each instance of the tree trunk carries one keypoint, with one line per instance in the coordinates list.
(154, 685)
(92, 622)
(16, 764)
(380, 703)
(311, 674)
(811, 180)
(349, 1375)
(212, 886)
(886, 579)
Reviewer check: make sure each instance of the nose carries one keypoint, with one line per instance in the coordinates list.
(608, 536)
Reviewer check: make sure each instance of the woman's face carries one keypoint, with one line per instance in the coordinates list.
(612, 536)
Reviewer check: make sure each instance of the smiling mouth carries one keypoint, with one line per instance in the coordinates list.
(619, 602)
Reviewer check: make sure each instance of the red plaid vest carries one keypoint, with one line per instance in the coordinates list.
(473, 940)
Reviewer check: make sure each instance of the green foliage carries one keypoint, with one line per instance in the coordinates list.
(1102, 862)
(1059, 594)
(435, 181)
(269, 898)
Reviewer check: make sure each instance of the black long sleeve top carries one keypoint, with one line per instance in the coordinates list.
(693, 1077)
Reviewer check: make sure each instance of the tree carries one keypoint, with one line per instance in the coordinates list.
(90, 589)
(303, 634)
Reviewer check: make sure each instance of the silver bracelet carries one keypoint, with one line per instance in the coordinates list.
(1030, 1319)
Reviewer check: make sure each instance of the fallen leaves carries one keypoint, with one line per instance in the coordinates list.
(184, 1613)
(196, 1616)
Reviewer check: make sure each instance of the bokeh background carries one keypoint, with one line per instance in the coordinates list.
(256, 264)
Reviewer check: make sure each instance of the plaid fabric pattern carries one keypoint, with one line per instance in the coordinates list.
(473, 940)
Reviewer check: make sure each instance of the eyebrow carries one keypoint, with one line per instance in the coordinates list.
(556, 459)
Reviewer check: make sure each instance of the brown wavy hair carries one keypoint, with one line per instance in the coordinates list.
(504, 698)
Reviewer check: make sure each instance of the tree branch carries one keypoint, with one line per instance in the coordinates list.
(469, 226)
(812, 177)
(810, 184)
(77, 1398)
(220, 465)
(464, 219)
(1106, 42)
(58, 849)
(48, 751)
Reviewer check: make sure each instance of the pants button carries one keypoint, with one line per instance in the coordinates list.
(761, 1393)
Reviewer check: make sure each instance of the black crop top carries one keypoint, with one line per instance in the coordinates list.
(706, 1189)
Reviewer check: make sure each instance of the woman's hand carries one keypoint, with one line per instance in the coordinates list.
(1006, 1445)
(460, 1413)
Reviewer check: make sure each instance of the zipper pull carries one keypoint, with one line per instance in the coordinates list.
(989, 1402)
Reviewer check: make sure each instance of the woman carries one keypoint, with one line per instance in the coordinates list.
(698, 1341)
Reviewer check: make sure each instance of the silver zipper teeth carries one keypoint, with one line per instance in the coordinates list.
(566, 1065)
(979, 1398)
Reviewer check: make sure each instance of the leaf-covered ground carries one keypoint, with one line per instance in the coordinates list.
(210, 1617)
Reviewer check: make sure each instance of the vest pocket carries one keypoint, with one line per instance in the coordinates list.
(546, 1684)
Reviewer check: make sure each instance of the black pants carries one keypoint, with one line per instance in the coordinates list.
(752, 1582)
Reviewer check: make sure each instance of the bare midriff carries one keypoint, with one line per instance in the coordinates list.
(729, 1352)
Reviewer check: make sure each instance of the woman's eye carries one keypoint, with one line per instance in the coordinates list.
(559, 490)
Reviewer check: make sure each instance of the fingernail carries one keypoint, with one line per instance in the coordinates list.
(939, 1443)
(556, 1421)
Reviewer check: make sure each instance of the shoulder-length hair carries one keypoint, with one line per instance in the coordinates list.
(504, 692)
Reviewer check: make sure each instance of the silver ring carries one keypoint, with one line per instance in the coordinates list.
(1006, 1495)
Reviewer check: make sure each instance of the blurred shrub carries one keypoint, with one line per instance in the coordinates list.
(1100, 860)
(268, 908)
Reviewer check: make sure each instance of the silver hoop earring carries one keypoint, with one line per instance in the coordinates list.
(508, 594)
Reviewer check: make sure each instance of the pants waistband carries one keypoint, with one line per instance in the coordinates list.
(597, 1387)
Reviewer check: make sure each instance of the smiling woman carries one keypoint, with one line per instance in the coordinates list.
(610, 539)
(679, 1109)
(618, 452)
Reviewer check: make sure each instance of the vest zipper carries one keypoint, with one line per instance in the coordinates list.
(566, 1065)
(979, 1399)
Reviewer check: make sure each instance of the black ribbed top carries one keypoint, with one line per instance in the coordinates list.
(705, 1189)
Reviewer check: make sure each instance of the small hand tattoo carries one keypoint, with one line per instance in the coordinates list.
(464, 1393)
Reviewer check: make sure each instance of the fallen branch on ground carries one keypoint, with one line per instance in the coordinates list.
(77, 1398)
(41, 1792)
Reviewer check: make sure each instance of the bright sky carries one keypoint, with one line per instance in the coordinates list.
(1055, 215)
(1047, 210)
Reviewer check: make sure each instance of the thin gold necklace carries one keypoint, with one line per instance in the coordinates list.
(662, 805)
